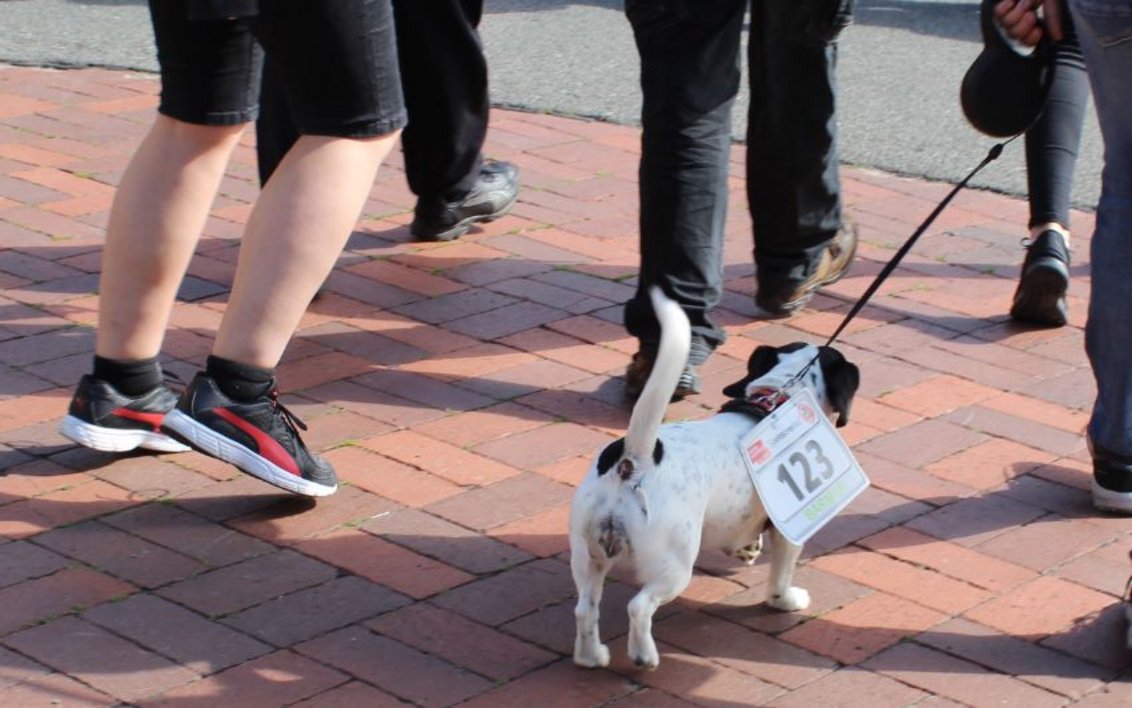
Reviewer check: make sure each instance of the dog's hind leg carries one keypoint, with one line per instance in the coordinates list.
(589, 579)
(781, 593)
(750, 553)
(655, 592)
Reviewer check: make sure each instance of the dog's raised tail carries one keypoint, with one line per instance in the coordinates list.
(672, 355)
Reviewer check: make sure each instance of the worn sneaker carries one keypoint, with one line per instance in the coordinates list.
(785, 299)
(637, 375)
(259, 437)
(1040, 297)
(1112, 480)
(103, 419)
(491, 197)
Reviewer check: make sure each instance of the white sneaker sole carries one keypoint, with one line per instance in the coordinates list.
(212, 443)
(1108, 500)
(117, 440)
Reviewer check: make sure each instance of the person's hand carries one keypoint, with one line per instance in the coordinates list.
(1020, 21)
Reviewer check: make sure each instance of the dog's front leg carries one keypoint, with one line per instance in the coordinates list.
(589, 579)
(781, 593)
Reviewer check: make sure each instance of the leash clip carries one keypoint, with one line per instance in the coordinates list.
(767, 398)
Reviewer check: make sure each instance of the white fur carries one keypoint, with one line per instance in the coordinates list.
(699, 496)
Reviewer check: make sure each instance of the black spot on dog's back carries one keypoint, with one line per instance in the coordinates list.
(613, 452)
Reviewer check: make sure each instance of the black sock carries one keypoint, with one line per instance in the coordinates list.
(240, 382)
(130, 378)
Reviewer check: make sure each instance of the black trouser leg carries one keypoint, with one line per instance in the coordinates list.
(444, 77)
(275, 132)
(1052, 143)
(444, 81)
(689, 78)
(793, 185)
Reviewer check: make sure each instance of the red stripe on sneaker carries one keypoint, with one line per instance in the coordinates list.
(151, 419)
(269, 447)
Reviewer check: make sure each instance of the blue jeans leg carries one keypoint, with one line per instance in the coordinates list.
(1105, 31)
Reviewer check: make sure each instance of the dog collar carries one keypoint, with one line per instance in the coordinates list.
(759, 403)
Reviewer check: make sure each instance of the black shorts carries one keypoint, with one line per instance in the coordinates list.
(336, 61)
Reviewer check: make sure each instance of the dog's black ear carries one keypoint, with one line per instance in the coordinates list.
(762, 360)
(842, 379)
(737, 389)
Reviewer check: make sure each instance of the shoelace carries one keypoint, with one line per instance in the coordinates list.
(293, 421)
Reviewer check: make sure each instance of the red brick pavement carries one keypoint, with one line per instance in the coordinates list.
(460, 387)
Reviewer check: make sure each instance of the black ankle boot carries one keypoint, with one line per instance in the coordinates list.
(1040, 297)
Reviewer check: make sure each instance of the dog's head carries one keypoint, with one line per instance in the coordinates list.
(832, 379)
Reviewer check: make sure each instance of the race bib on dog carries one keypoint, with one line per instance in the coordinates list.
(803, 471)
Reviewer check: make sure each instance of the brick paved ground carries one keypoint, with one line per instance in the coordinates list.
(459, 389)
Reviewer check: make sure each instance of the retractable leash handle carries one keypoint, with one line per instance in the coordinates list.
(1005, 89)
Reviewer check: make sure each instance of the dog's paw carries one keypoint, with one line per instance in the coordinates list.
(792, 600)
(595, 658)
(647, 663)
(749, 554)
(644, 654)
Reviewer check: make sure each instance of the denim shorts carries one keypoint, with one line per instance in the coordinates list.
(336, 61)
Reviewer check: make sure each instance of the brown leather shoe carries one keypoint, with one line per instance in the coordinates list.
(637, 375)
(789, 298)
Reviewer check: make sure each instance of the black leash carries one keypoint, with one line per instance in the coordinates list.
(992, 155)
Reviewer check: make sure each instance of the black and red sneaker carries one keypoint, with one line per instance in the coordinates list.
(102, 418)
(258, 437)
